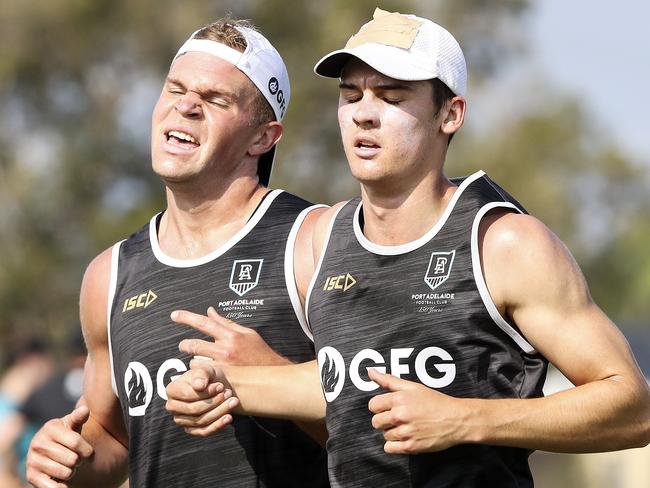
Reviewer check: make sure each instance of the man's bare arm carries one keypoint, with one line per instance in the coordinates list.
(538, 286)
(547, 297)
(289, 392)
(90, 443)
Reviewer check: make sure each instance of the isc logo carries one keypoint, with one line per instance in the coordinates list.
(340, 282)
(143, 300)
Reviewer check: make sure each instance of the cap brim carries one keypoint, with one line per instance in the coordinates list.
(265, 166)
(331, 65)
(388, 60)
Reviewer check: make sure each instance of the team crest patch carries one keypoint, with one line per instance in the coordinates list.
(245, 275)
(439, 268)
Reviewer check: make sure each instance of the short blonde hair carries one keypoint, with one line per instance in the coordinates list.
(224, 31)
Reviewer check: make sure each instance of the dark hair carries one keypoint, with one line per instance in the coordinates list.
(441, 95)
(224, 31)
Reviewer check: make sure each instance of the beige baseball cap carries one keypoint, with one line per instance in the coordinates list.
(403, 47)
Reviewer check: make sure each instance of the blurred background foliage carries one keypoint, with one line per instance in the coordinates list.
(78, 80)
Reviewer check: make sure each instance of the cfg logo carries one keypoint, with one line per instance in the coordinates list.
(273, 85)
(332, 368)
(139, 387)
(274, 89)
(332, 372)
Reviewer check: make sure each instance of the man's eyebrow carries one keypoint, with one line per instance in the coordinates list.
(173, 81)
(347, 86)
(394, 86)
(207, 93)
(380, 86)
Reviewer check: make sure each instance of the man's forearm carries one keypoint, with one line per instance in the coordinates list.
(109, 462)
(289, 392)
(599, 416)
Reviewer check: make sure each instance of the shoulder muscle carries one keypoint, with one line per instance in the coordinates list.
(93, 301)
(523, 262)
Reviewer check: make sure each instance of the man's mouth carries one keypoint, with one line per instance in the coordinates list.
(368, 145)
(181, 138)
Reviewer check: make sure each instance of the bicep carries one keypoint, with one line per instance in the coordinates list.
(544, 293)
(581, 341)
(98, 393)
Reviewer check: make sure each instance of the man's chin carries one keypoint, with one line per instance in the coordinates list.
(369, 174)
(175, 178)
(172, 171)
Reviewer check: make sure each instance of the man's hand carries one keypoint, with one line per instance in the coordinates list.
(199, 400)
(233, 344)
(57, 449)
(416, 418)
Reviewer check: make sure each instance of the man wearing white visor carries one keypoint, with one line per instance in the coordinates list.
(224, 242)
(436, 303)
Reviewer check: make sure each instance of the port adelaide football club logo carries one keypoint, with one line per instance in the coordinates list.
(245, 275)
(439, 268)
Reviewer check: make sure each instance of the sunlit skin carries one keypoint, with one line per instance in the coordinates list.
(213, 176)
(387, 126)
(209, 99)
(395, 143)
(212, 188)
(396, 149)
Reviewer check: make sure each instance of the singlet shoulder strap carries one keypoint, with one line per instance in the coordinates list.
(289, 270)
(345, 211)
(112, 286)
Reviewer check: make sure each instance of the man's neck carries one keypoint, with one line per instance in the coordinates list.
(399, 217)
(195, 225)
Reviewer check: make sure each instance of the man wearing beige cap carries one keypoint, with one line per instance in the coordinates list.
(434, 303)
(224, 240)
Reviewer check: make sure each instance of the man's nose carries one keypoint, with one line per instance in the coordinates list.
(367, 111)
(190, 105)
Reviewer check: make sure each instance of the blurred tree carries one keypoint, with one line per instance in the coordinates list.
(78, 80)
(562, 169)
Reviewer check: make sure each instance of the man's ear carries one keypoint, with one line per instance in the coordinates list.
(454, 115)
(267, 136)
